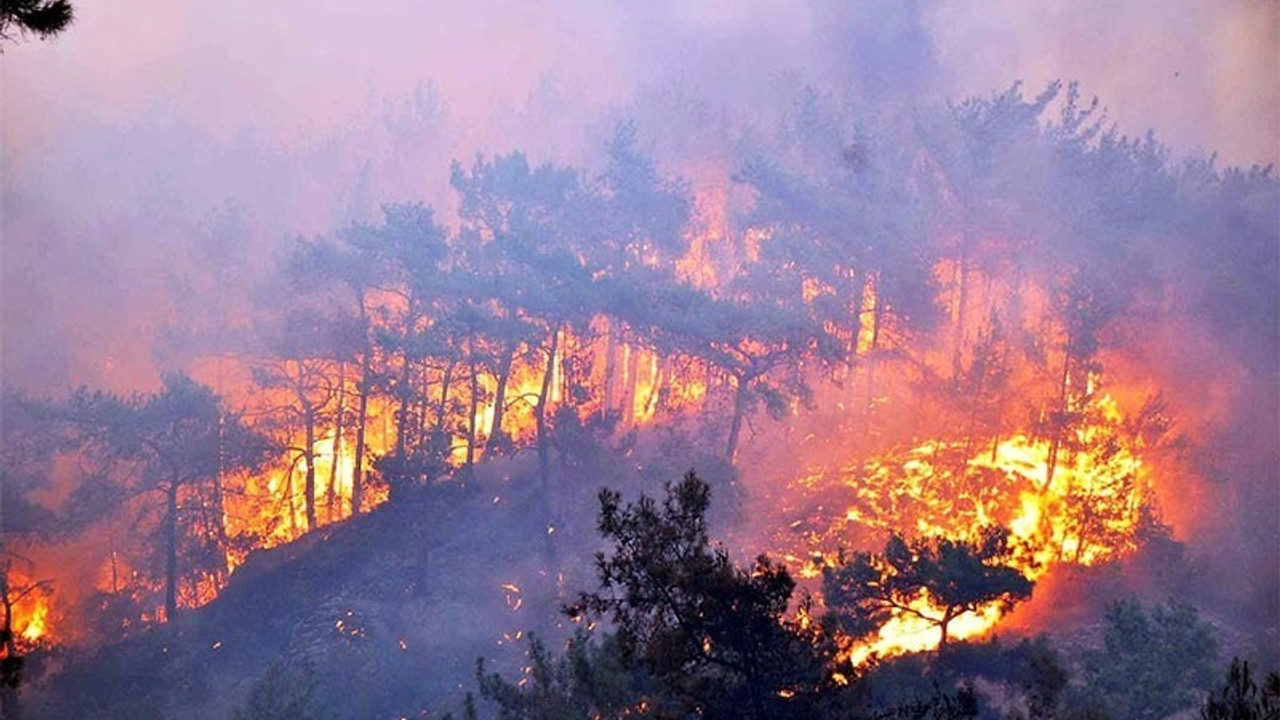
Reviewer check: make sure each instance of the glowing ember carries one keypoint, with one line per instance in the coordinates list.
(28, 603)
(1089, 509)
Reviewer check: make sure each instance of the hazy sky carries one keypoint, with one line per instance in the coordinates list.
(1203, 73)
(124, 135)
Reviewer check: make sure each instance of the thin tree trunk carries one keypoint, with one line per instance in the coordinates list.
(171, 553)
(877, 318)
(500, 401)
(659, 377)
(362, 419)
(943, 626)
(739, 411)
(544, 446)
(424, 404)
(289, 498)
(220, 515)
(10, 637)
(398, 480)
(610, 367)
(474, 407)
(402, 413)
(706, 394)
(309, 457)
(331, 498)
(632, 386)
(962, 271)
(362, 408)
(9, 705)
(1059, 425)
(115, 570)
(864, 287)
(540, 412)
(442, 408)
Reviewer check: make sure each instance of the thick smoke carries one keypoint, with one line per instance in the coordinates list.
(148, 118)
(157, 139)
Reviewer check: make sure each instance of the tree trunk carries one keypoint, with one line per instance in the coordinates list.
(500, 401)
(402, 413)
(331, 496)
(706, 392)
(610, 368)
(659, 377)
(10, 636)
(442, 408)
(220, 516)
(288, 496)
(856, 344)
(739, 411)
(962, 270)
(12, 676)
(362, 419)
(425, 406)
(540, 412)
(171, 553)
(474, 407)
(544, 445)
(362, 411)
(632, 385)
(1059, 423)
(877, 320)
(309, 457)
(943, 626)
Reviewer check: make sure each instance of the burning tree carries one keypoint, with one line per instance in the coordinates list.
(934, 579)
(25, 604)
(172, 452)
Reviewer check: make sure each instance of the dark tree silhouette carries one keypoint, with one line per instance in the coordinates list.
(1240, 698)
(716, 638)
(43, 18)
(173, 446)
(865, 590)
(1153, 663)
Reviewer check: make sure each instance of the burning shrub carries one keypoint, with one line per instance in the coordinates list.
(933, 581)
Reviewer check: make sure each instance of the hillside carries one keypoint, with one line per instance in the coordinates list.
(390, 609)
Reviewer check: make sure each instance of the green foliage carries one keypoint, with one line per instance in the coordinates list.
(285, 693)
(588, 681)
(694, 636)
(863, 591)
(715, 638)
(1240, 698)
(1153, 663)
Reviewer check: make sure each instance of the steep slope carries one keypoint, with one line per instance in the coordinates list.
(384, 615)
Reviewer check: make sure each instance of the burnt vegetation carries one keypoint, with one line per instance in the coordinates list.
(376, 458)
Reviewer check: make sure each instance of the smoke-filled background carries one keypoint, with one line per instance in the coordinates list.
(126, 134)
(161, 158)
(152, 128)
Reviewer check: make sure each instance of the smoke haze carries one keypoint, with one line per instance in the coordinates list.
(154, 140)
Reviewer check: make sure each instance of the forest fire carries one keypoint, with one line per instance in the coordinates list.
(26, 612)
(324, 414)
(35, 623)
(1090, 504)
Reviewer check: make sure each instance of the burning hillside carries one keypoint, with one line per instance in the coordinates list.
(928, 352)
(1093, 504)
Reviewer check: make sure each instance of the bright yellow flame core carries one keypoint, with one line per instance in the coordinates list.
(36, 621)
(1089, 509)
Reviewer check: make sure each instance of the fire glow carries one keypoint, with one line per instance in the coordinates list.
(1089, 508)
